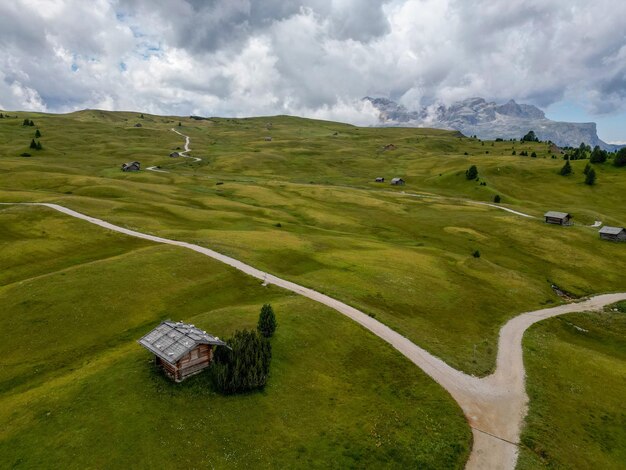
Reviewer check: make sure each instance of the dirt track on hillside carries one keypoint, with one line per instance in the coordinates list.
(182, 154)
(495, 406)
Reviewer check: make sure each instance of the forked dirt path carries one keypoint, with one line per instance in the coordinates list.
(495, 406)
(182, 154)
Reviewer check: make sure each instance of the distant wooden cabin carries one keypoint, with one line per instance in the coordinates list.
(181, 349)
(174, 154)
(268, 139)
(131, 166)
(138, 125)
(614, 234)
(380, 179)
(397, 182)
(558, 218)
(389, 147)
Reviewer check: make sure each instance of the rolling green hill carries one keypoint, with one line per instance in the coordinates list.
(302, 206)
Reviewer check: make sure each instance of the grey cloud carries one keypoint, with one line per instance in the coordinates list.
(241, 57)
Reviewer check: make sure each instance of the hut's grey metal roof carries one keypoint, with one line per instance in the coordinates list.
(393, 180)
(172, 340)
(556, 215)
(611, 230)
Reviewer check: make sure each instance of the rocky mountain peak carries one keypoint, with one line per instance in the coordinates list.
(488, 120)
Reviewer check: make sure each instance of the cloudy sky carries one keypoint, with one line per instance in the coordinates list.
(314, 57)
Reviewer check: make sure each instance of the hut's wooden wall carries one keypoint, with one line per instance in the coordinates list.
(190, 364)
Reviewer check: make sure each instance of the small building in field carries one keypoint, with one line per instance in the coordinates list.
(614, 234)
(397, 182)
(131, 166)
(268, 139)
(174, 154)
(181, 349)
(138, 125)
(380, 179)
(558, 218)
(389, 147)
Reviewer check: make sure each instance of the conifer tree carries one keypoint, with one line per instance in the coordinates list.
(245, 366)
(590, 179)
(39, 146)
(37, 134)
(33, 144)
(267, 321)
(567, 169)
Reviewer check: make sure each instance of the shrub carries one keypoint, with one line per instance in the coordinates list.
(620, 158)
(587, 168)
(33, 144)
(267, 321)
(496, 198)
(476, 254)
(39, 146)
(37, 134)
(245, 366)
(471, 173)
(513, 153)
(533, 155)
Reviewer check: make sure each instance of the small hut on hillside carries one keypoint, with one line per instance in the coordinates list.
(268, 139)
(397, 182)
(174, 154)
(181, 349)
(131, 166)
(614, 234)
(558, 218)
(380, 179)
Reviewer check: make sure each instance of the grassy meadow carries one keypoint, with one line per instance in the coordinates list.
(304, 207)
(76, 391)
(576, 369)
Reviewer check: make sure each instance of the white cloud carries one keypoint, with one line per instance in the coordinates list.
(248, 57)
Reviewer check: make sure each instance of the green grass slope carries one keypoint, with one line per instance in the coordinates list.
(77, 391)
(576, 369)
(405, 260)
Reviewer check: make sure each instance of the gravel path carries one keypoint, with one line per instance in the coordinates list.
(495, 406)
(182, 154)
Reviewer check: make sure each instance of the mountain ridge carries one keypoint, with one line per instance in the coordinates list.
(489, 120)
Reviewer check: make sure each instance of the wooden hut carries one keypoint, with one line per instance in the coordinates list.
(131, 166)
(614, 234)
(268, 139)
(181, 349)
(380, 179)
(397, 182)
(174, 154)
(558, 218)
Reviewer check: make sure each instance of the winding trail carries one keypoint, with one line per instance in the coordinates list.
(182, 154)
(468, 201)
(495, 406)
